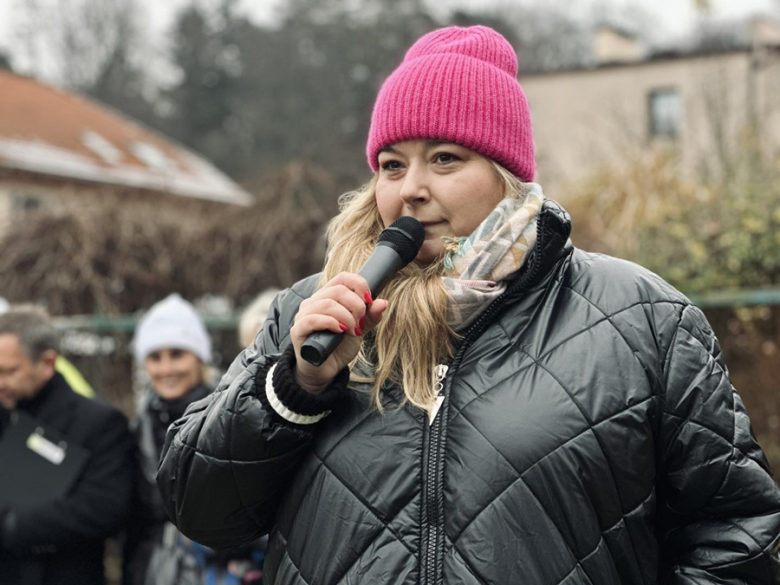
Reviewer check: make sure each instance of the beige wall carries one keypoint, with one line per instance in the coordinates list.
(53, 192)
(587, 120)
(11, 189)
(768, 92)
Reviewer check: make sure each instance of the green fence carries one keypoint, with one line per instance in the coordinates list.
(736, 298)
(127, 323)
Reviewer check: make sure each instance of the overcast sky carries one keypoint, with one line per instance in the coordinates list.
(675, 16)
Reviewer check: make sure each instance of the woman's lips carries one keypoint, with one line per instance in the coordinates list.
(427, 225)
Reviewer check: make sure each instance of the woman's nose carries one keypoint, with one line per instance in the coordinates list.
(165, 366)
(414, 189)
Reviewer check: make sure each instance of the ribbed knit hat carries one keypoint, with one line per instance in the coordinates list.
(458, 85)
(172, 324)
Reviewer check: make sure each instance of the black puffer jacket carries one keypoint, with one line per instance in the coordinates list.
(589, 435)
(146, 529)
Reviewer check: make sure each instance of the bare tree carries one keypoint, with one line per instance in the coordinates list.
(547, 37)
(74, 42)
(95, 47)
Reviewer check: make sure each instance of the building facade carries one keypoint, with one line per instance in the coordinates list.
(706, 104)
(60, 148)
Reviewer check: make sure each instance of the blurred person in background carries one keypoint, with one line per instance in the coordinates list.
(253, 317)
(173, 347)
(58, 540)
(513, 410)
(72, 376)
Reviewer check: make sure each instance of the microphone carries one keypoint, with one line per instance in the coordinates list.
(398, 244)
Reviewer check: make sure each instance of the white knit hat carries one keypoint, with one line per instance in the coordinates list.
(172, 324)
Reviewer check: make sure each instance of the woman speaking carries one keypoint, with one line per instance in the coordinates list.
(511, 410)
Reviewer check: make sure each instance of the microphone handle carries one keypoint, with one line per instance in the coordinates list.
(381, 266)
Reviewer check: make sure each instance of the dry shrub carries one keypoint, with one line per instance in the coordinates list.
(750, 339)
(611, 207)
(703, 236)
(122, 255)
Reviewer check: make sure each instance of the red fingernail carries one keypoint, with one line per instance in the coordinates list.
(367, 297)
(343, 327)
(362, 323)
(358, 331)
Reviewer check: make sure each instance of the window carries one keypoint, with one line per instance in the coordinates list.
(664, 113)
(153, 157)
(101, 147)
(23, 203)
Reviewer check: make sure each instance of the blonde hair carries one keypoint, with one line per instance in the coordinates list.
(254, 316)
(414, 335)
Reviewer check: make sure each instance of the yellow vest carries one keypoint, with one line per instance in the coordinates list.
(73, 377)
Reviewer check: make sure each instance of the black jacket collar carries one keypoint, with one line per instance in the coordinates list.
(35, 405)
(552, 245)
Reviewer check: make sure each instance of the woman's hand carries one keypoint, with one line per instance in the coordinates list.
(342, 306)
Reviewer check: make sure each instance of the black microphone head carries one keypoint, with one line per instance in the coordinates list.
(406, 235)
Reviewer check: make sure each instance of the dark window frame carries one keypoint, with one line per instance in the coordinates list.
(24, 202)
(663, 128)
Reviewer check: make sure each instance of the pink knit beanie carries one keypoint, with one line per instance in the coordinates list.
(458, 85)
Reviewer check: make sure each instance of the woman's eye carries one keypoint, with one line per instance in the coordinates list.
(391, 165)
(445, 157)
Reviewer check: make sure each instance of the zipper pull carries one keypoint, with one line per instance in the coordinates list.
(441, 373)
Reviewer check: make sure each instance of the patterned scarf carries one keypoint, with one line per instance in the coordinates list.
(478, 268)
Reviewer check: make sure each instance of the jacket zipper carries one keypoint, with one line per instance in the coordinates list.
(433, 498)
(441, 374)
(431, 490)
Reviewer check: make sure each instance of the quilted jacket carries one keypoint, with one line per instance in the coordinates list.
(589, 435)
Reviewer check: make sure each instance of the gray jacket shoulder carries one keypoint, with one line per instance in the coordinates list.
(614, 285)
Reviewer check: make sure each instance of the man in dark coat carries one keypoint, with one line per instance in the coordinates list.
(60, 541)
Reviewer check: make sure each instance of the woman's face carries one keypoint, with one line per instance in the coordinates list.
(448, 188)
(174, 372)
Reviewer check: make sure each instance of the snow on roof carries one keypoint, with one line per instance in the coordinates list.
(47, 131)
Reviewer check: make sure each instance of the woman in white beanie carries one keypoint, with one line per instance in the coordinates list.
(173, 346)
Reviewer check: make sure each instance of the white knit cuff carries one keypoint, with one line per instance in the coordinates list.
(282, 410)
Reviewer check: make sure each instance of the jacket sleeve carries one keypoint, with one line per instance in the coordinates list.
(719, 509)
(96, 508)
(226, 463)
